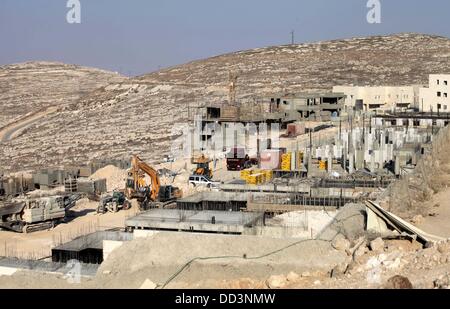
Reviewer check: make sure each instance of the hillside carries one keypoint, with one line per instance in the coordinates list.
(137, 115)
(30, 87)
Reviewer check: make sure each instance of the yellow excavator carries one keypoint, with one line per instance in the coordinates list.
(149, 195)
(203, 168)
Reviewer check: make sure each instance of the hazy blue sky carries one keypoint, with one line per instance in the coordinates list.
(139, 36)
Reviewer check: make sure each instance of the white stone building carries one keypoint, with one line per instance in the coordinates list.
(383, 98)
(436, 98)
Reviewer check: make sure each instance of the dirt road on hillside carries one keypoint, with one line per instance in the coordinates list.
(11, 130)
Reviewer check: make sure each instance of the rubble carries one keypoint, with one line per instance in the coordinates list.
(340, 243)
(292, 277)
(276, 282)
(443, 282)
(148, 285)
(339, 270)
(377, 245)
(418, 219)
(398, 282)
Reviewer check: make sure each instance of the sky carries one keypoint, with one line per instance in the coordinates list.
(135, 37)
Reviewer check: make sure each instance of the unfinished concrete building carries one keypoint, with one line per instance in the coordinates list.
(279, 110)
(311, 106)
(222, 222)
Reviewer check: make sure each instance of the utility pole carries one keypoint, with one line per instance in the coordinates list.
(292, 37)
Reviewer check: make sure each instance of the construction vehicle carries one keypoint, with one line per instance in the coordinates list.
(238, 160)
(149, 195)
(113, 203)
(203, 166)
(203, 181)
(25, 215)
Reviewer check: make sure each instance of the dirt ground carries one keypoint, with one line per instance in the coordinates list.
(438, 222)
(38, 244)
(370, 267)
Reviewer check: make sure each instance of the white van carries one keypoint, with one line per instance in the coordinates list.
(197, 180)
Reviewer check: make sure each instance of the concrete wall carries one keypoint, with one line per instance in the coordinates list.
(428, 97)
(7, 271)
(279, 232)
(109, 246)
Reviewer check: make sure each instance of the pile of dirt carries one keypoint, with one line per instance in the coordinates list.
(214, 257)
(85, 204)
(350, 222)
(115, 177)
(407, 197)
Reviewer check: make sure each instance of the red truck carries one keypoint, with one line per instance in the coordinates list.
(238, 160)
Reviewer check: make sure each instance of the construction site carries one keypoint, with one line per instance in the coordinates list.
(305, 187)
(242, 185)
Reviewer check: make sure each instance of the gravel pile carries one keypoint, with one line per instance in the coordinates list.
(115, 177)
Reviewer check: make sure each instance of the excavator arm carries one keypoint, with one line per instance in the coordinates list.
(137, 167)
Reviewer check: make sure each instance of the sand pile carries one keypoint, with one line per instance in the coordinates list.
(158, 257)
(115, 177)
(85, 204)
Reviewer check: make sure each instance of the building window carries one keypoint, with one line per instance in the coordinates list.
(445, 95)
(445, 107)
(438, 81)
(439, 94)
(439, 106)
(445, 83)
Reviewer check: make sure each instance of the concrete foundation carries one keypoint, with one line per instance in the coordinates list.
(222, 222)
(87, 249)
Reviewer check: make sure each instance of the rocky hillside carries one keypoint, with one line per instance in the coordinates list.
(137, 115)
(30, 87)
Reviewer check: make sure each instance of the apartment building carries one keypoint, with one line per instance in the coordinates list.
(436, 97)
(379, 98)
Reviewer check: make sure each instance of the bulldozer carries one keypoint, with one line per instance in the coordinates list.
(149, 195)
(203, 166)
